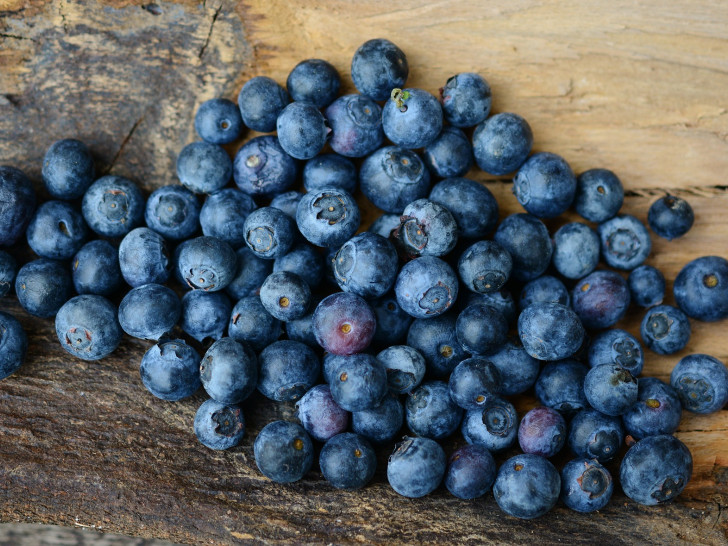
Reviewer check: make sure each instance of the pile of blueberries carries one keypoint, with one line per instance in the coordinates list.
(408, 321)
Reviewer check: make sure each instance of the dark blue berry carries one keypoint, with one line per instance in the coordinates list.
(261, 167)
(359, 382)
(472, 205)
(594, 435)
(283, 451)
(302, 130)
(436, 339)
(13, 345)
(205, 315)
(328, 217)
(465, 99)
(207, 263)
(450, 154)
(113, 206)
(625, 242)
(8, 270)
(544, 289)
(405, 367)
(56, 231)
(87, 327)
(149, 311)
(550, 331)
(251, 323)
(610, 389)
(287, 202)
(527, 486)
(304, 261)
(502, 143)
(260, 101)
(481, 329)
(229, 371)
(646, 286)
(670, 217)
(501, 300)
(17, 204)
(599, 195)
(356, 125)
(471, 472)
(542, 432)
(382, 423)
(223, 216)
(545, 185)
(527, 240)
(203, 167)
(426, 229)
(377, 67)
(431, 412)
(517, 370)
(348, 461)
(170, 370)
(586, 485)
(485, 267)
(269, 232)
(392, 322)
(493, 426)
(561, 386)
(219, 426)
(657, 410)
(329, 171)
(144, 258)
(617, 347)
(320, 415)
(426, 287)
(473, 382)
(392, 177)
(315, 81)
(95, 269)
(601, 299)
(366, 265)
(68, 169)
(287, 370)
(576, 250)
(218, 121)
(412, 118)
(173, 212)
(416, 467)
(43, 286)
(285, 295)
(665, 329)
(249, 276)
(701, 381)
(701, 288)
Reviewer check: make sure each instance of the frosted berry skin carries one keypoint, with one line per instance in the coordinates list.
(437, 340)
(545, 185)
(262, 167)
(416, 467)
(561, 386)
(269, 232)
(426, 287)
(219, 426)
(287, 369)
(617, 347)
(594, 435)
(527, 240)
(56, 231)
(344, 323)
(701, 381)
(544, 289)
(392, 322)
(701, 288)
(493, 426)
(285, 295)
(518, 371)
(366, 265)
(502, 143)
(485, 267)
(473, 382)
(251, 323)
(301, 130)
(229, 371)
(223, 216)
(382, 423)
(392, 177)
(601, 299)
(481, 329)
(625, 242)
(315, 81)
(250, 273)
(287, 202)
(426, 229)
(465, 99)
(17, 204)
(203, 167)
(43, 286)
(8, 270)
(207, 263)
(358, 382)
(412, 121)
(665, 329)
(670, 217)
(431, 412)
(405, 367)
(610, 389)
(170, 370)
(328, 217)
(471, 472)
(329, 171)
(472, 205)
(320, 415)
(283, 451)
(586, 485)
(501, 299)
(646, 286)
(113, 206)
(599, 195)
(149, 311)
(87, 327)
(527, 486)
(260, 101)
(205, 314)
(144, 258)
(657, 410)
(356, 125)
(377, 67)
(542, 432)
(68, 169)
(576, 250)
(655, 470)
(13, 345)
(173, 212)
(450, 154)
(218, 121)
(348, 461)
(550, 331)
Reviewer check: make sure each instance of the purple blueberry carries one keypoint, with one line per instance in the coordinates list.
(344, 323)
(542, 432)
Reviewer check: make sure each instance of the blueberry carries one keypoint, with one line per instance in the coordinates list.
(544, 289)
(405, 367)
(472, 205)
(576, 250)
(287, 370)
(561, 386)
(594, 435)
(656, 470)
(465, 99)
(219, 426)
(517, 370)
(625, 242)
(8, 270)
(501, 300)
(646, 286)
(356, 125)
(502, 143)
(170, 370)
(384, 224)
(473, 382)
(283, 451)
(665, 329)
(426, 287)
(450, 154)
(657, 410)
(262, 167)
(701, 381)
(304, 261)
(287, 202)
(229, 371)
(173, 212)
(251, 323)
(261, 100)
(285, 295)
(250, 273)
(43, 286)
(670, 217)
(471, 472)
(218, 121)
(329, 171)
(56, 231)
(95, 269)
(601, 299)
(358, 382)
(144, 258)
(315, 81)
(431, 412)
(149, 311)
(437, 340)
(344, 323)
(87, 327)
(269, 232)
(527, 240)
(382, 423)
(599, 195)
(68, 169)
(701, 288)
(320, 415)
(223, 216)
(416, 467)
(493, 426)
(426, 229)
(542, 432)
(550, 331)
(302, 130)
(113, 206)
(617, 347)
(610, 389)
(348, 461)
(481, 329)
(205, 315)
(203, 167)
(366, 265)
(392, 177)
(13, 345)
(328, 217)
(392, 322)
(207, 263)
(412, 118)
(377, 67)
(17, 204)
(545, 185)
(586, 485)
(527, 486)
(485, 267)
(301, 329)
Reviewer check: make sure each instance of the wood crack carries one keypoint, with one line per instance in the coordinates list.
(209, 32)
(123, 144)
(63, 17)
(16, 37)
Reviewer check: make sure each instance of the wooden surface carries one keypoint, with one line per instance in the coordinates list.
(636, 87)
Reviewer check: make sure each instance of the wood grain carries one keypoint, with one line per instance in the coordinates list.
(635, 87)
